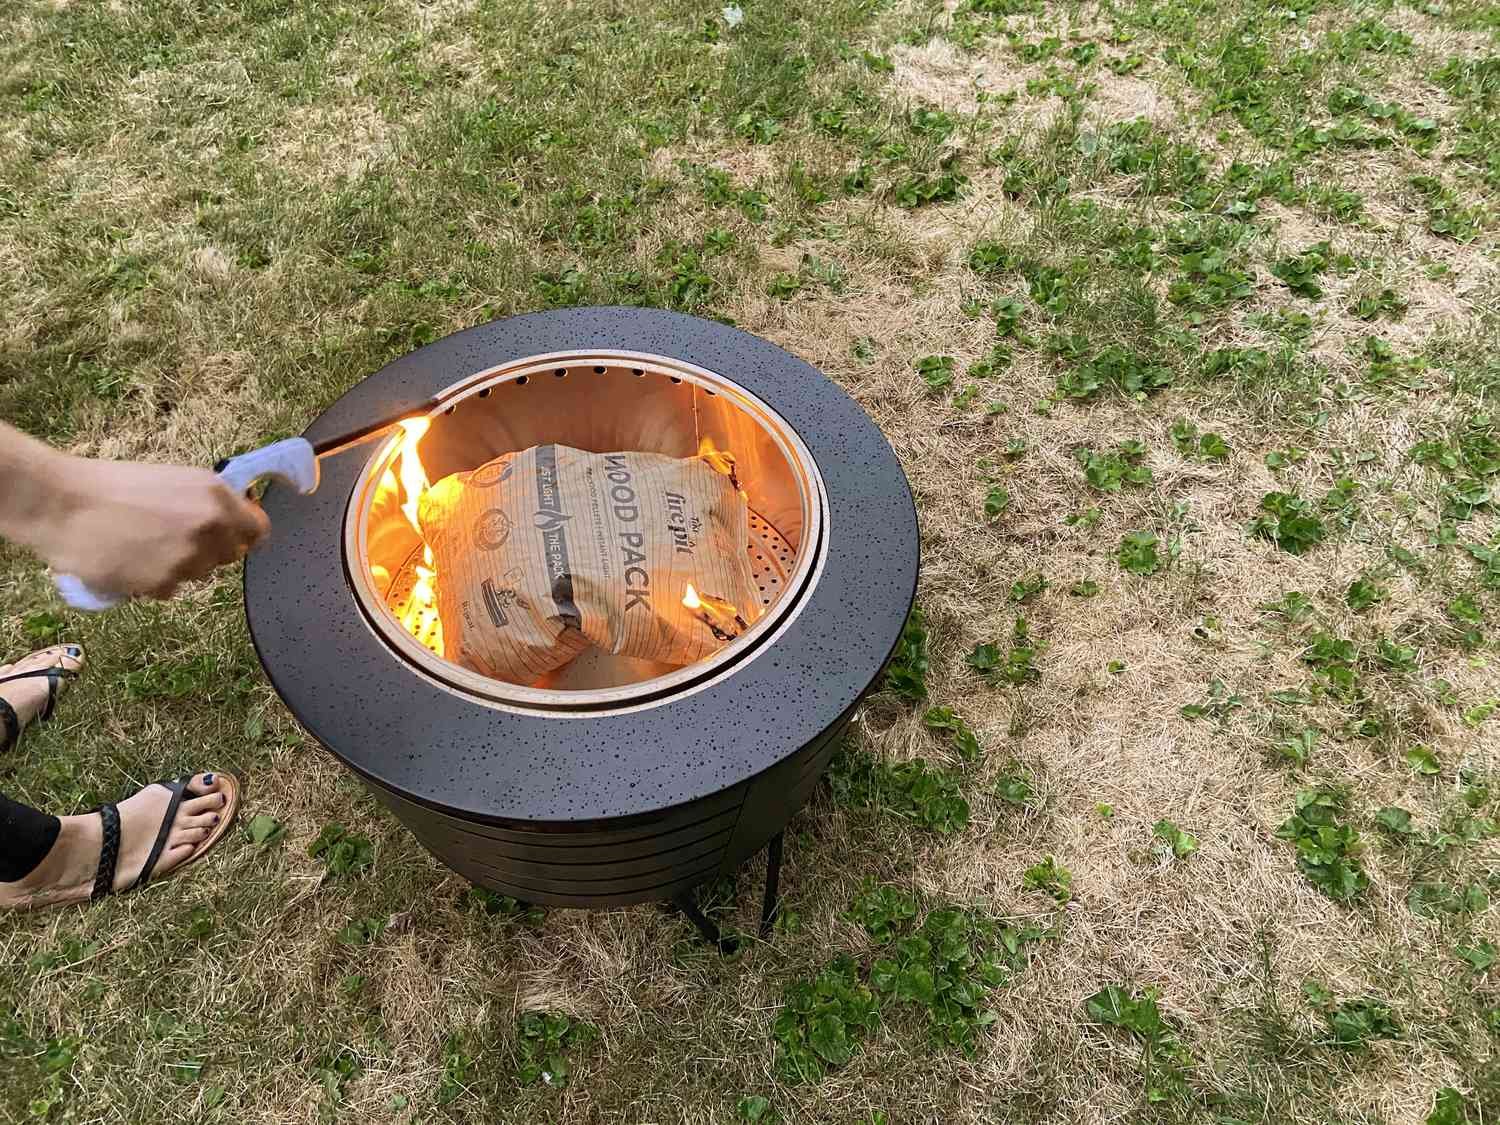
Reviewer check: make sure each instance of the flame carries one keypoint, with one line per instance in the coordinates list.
(719, 460)
(414, 480)
(418, 614)
(721, 616)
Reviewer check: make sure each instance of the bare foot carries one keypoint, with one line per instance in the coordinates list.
(67, 873)
(28, 695)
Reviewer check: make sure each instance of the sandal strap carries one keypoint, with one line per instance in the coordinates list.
(109, 852)
(10, 727)
(177, 788)
(57, 671)
(54, 675)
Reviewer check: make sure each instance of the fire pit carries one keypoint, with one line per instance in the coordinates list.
(612, 780)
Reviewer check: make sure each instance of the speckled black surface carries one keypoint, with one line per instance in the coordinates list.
(362, 701)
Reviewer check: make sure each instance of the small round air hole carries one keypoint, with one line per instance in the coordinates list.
(521, 382)
(599, 370)
(561, 373)
(711, 394)
(637, 372)
(485, 393)
(674, 378)
(451, 409)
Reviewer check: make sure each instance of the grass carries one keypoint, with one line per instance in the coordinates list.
(1181, 801)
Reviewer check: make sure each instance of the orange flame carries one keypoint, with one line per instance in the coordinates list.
(717, 459)
(419, 615)
(718, 614)
(414, 480)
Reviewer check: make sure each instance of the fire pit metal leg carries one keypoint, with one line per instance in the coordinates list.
(685, 904)
(771, 904)
(706, 925)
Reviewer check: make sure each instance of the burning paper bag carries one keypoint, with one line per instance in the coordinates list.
(542, 553)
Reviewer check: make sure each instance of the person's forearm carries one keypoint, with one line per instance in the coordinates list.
(121, 527)
(33, 487)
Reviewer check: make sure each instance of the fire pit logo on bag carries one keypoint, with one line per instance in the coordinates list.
(491, 530)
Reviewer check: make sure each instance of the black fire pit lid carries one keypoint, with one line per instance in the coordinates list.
(373, 711)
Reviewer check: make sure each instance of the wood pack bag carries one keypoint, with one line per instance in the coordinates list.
(542, 553)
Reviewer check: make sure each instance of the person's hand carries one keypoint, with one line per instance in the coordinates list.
(130, 528)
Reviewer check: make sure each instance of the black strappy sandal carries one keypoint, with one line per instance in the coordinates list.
(10, 723)
(109, 847)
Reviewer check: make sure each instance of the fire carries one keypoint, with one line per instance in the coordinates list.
(414, 480)
(720, 616)
(418, 612)
(720, 461)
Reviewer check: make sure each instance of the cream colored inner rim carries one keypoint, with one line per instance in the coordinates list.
(604, 402)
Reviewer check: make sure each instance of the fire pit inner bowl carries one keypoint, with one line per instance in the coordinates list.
(599, 402)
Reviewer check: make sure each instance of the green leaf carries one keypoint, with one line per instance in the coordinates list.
(361, 931)
(1137, 553)
(43, 628)
(1014, 789)
(1326, 850)
(1423, 761)
(1356, 1022)
(1294, 606)
(1109, 472)
(1118, 1006)
(1028, 586)
(1049, 876)
(884, 911)
(1109, 1005)
(327, 838)
(1477, 714)
(1394, 820)
(1448, 1108)
(1363, 593)
(753, 1108)
(1316, 993)
(1429, 900)
(1480, 957)
(1299, 749)
(941, 718)
(996, 501)
(263, 829)
(984, 657)
(255, 727)
(1183, 844)
(966, 744)
(936, 371)
(1214, 446)
(915, 983)
(906, 674)
(1406, 558)
(826, 1036)
(1289, 522)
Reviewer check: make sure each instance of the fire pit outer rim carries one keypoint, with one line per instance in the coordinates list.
(441, 750)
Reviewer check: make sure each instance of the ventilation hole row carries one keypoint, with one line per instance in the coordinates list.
(562, 373)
